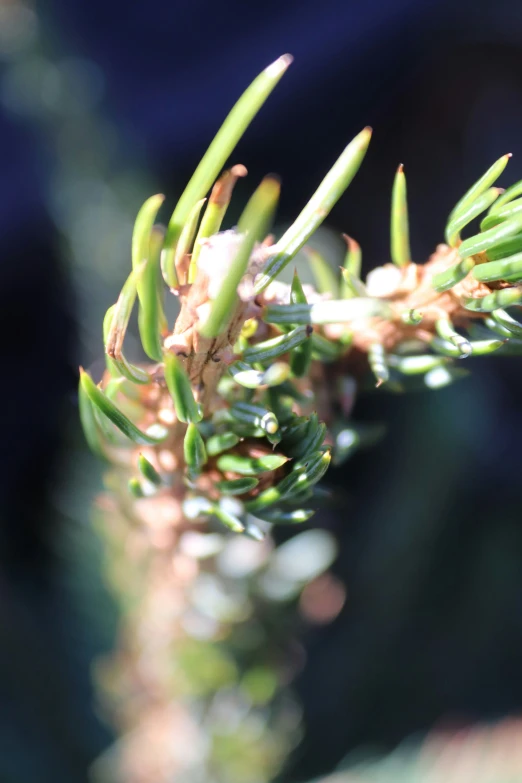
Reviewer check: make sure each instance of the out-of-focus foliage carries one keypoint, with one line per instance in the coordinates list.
(483, 754)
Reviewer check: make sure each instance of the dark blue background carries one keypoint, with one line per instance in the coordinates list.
(430, 521)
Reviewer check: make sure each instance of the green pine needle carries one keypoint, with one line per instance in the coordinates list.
(218, 153)
(111, 412)
(399, 229)
(481, 185)
(325, 197)
(253, 224)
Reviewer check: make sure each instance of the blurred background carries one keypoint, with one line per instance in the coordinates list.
(104, 103)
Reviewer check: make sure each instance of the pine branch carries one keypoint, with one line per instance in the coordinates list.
(248, 400)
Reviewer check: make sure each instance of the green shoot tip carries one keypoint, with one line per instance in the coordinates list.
(280, 65)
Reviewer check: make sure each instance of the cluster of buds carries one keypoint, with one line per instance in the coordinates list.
(247, 397)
